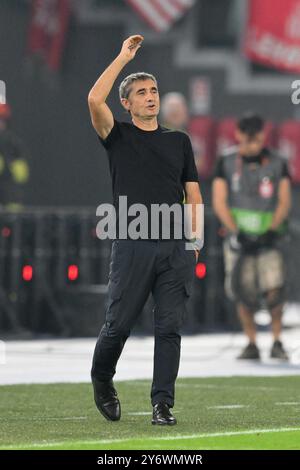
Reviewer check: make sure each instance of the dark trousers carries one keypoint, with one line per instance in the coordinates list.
(137, 268)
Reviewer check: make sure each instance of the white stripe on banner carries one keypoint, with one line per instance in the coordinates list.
(169, 7)
(150, 14)
(160, 14)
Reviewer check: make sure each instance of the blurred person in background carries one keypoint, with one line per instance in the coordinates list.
(252, 199)
(174, 111)
(175, 114)
(14, 175)
(14, 164)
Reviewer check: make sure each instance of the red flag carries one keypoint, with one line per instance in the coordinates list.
(273, 34)
(161, 14)
(48, 29)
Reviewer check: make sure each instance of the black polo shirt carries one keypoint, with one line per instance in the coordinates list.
(149, 167)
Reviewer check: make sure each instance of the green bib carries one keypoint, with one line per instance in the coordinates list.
(254, 222)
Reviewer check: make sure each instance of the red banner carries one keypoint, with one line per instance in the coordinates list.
(273, 33)
(48, 28)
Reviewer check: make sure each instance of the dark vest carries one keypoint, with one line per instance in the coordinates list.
(253, 189)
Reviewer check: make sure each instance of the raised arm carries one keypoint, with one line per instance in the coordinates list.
(101, 115)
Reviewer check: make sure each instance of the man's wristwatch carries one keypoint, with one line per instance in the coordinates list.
(197, 243)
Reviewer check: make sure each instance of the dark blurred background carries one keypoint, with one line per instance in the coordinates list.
(51, 53)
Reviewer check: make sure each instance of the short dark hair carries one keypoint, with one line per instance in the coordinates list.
(251, 123)
(125, 87)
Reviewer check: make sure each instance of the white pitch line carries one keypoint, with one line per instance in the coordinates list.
(239, 387)
(226, 407)
(288, 403)
(162, 438)
(44, 418)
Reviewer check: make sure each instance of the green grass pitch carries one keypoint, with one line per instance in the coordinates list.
(212, 413)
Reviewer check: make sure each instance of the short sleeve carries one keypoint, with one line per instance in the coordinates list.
(219, 168)
(189, 171)
(112, 137)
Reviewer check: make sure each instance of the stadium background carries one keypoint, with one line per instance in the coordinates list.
(200, 56)
(60, 267)
(53, 269)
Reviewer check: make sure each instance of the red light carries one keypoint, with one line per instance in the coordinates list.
(201, 270)
(6, 232)
(27, 272)
(73, 272)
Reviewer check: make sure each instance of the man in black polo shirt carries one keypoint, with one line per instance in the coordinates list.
(150, 165)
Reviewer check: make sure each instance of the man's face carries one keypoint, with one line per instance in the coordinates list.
(250, 146)
(143, 99)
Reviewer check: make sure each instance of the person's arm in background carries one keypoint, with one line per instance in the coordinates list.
(220, 197)
(220, 204)
(101, 115)
(284, 203)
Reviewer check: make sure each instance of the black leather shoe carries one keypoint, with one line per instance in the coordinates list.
(106, 399)
(162, 415)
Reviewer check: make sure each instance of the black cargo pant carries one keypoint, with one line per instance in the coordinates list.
(137, 268)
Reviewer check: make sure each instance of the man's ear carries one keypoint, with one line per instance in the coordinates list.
(125, 104)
